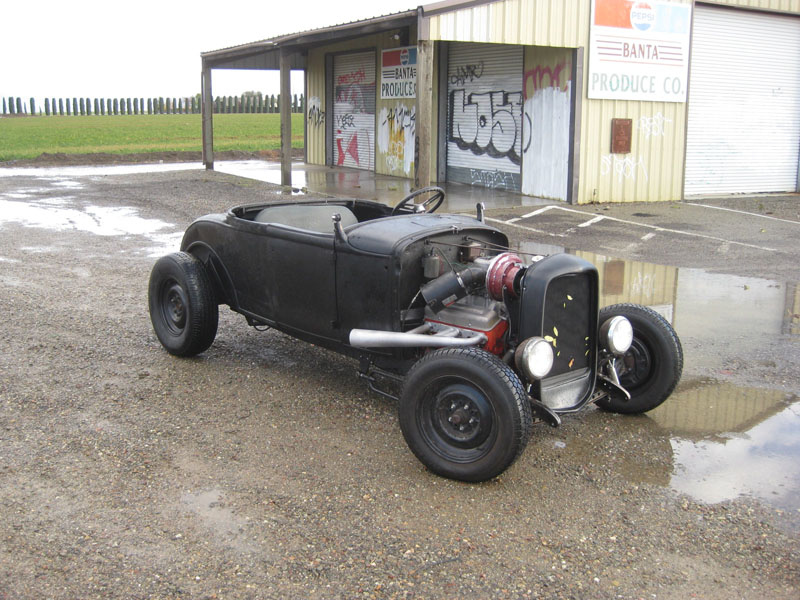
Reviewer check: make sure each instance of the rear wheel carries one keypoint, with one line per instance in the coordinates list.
(652, 366)
(464, 414)
(183, 307)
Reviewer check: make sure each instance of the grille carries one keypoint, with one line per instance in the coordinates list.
(568, 323)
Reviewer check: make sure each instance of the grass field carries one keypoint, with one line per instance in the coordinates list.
(28, 137)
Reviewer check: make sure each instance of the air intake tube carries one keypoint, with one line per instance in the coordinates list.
(452, 286)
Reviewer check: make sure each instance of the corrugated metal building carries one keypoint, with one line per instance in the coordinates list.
(576, 100)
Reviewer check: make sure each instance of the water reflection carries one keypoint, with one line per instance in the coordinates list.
(355, 183)
(759, 455)
(726, 440)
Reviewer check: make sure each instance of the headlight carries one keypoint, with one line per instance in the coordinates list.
(617, 335)
(534, 357)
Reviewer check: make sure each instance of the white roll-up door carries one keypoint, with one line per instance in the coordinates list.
(484, 116)
(744, 102)
(354, 110)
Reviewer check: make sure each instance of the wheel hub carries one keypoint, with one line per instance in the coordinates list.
(174, 307)
(636, 365)
(463, 416)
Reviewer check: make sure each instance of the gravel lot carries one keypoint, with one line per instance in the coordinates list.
(265, 469)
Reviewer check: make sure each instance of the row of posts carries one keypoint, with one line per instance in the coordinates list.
(246, 103)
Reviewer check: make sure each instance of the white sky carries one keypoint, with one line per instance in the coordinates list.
(147, 48)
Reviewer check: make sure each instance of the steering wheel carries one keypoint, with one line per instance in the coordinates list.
(429, 205)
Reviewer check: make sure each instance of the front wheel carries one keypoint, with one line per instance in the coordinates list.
(183, 307)
(652, 366)
(464, 414)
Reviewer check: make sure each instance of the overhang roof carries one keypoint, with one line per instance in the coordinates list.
(265, 54)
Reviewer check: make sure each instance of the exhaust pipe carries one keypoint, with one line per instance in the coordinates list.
(373, 338)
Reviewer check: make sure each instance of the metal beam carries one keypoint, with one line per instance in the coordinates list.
(207, 110)
(286, 118)
(425, 111)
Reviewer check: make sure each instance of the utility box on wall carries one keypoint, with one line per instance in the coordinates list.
(621, 135)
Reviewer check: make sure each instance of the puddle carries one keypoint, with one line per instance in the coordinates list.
(355, 183)
(730, 441)
(33, 207)
(67, 173)
(726, 440)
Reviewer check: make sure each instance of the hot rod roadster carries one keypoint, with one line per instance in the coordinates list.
(480, 342)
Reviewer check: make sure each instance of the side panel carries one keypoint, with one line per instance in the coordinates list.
(302, 285)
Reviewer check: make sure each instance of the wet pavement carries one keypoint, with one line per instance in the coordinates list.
(730, 432)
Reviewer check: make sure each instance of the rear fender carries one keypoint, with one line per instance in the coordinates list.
(220, 278)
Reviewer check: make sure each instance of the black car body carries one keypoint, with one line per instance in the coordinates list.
(435, 303)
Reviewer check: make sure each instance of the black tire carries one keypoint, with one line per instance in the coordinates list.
(464, 414)
(183, 306)
(652, 367)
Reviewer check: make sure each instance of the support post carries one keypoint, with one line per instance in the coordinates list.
(424, 118)
(286, 119)
(207, 110)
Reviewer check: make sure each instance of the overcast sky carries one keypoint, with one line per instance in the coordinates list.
(146, 48)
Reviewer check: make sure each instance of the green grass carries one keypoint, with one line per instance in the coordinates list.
(28, 137)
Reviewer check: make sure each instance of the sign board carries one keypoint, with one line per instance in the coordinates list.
(399, 73)
(639, 50)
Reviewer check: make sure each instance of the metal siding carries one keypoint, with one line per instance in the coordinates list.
(653, 169)
(315, 108)
(546, 138)
(484, 145)
(354, 110)
(744, 108)
(788, 6)
(559, 23)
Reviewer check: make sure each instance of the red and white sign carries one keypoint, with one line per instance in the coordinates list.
(639, 50)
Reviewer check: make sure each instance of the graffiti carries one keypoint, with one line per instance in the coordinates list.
(654, 125)
(396, 133)
(352, 150)
(465, 73)
(627, 167)
(316, 116)
(355, 77)
(344, 121)
(487, 123)
(501, 180)
(643, 285)
(547, 77)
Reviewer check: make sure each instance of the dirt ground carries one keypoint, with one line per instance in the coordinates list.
(265, 469)
(58, 159)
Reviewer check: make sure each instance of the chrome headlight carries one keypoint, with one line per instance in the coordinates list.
(534, 357)
(616, 334)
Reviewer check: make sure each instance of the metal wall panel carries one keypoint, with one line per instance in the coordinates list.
(744, 104)
(315, 108)
(484, 127)
(559, 23)
(788, 6)
(354, 110)
(546, 124)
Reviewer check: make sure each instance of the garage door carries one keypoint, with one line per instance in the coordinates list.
(354, 110)
(484, 117)
(744, 103)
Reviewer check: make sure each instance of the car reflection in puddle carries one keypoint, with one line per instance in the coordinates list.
(727, 440)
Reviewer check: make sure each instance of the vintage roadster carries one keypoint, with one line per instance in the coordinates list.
(480, 342)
